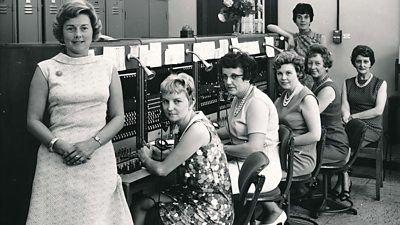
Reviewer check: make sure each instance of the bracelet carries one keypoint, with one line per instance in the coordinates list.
(96, 138)
(51, 144)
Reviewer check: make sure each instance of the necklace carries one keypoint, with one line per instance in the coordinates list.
(366, 82)
(287, 99)
(318, 83)
(239, 107)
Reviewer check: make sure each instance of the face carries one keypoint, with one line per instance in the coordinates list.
(316, 66)
(303, 22)
(362, 64)
(176, 106)
(233, 80)
(287, 77)
(78, 35)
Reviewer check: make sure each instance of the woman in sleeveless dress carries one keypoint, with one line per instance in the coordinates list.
(76, 180)
(336, 150)
(298, 109)
(364, 96)
(303, 15)
(203, 195)
(252, 126)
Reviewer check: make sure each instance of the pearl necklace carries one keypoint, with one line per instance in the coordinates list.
(319, 83)
(366, 82)
(287, 99)
(239, 107)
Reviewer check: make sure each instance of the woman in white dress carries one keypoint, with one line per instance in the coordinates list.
(76, 180)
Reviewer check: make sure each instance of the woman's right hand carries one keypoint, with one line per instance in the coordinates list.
(160, 155)
(67, 151)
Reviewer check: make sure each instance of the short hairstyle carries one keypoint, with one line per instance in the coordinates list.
(239, 60)
(177, 83)
(72, 9)
(303, 8)
(289, 57)
(362, 50)
(323, 51)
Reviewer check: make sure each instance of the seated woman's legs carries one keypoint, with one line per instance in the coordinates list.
(272, 213)
(141, 208)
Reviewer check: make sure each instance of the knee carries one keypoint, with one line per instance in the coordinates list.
(144, 204)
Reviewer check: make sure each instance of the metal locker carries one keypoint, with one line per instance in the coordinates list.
(50, 9)
(8, 22)
(29, 28)
(100, 6)
(115, 16)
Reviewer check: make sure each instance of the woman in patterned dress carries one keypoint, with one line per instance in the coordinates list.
(364, 96)
(204, 194)
(252, 126)
(303, 15)
(76, 180)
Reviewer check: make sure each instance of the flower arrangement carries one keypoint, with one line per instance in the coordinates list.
(233, 10)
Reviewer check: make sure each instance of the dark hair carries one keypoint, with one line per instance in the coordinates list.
(323, 51)
(239, 60)
(303, 8)
(72, 9)
(362, 50)
(289, 57)
(177, 83)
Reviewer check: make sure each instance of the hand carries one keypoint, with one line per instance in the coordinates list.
(291, 42)
(160, 155)
(145, 153)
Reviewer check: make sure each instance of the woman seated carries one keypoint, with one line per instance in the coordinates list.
(252, 126)
(204, 195)
(298, 109)
(364, 96)
(336, 150)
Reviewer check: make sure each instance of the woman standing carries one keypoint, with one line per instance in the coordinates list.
(252, 126)
(364, 96)
(204, 195)
(76, 180)
(298, 109)
(336, 150)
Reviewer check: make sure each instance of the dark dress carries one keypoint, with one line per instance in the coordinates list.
(291, 116)
(336, 144)
(204, 194)
(361, 99)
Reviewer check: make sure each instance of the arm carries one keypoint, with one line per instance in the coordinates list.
(310, 111)
(116, 115)
(256, 112)
(325, 97)
(286, 34)
(379, 105)
(194, 138)
(38, 94)
(223, 133)
(345, 105)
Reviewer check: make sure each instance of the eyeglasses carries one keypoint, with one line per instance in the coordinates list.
(233, 76)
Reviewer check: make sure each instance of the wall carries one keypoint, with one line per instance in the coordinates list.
(180, 13)
(370, 22)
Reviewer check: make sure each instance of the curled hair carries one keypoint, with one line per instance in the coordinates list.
(362, 50)
(303, 8)
(239, 60)
(289, 57)
(323, 51)
(177, 83)
(72, 9)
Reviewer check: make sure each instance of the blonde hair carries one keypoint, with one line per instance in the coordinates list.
(177, 83)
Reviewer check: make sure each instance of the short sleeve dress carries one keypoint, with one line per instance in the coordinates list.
(290, 115)
(204, 194)
(90, 193)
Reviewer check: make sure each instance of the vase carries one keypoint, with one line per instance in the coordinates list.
(237, 26)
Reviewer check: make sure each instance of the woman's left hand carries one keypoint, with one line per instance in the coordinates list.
(145, 153)
(82, 153)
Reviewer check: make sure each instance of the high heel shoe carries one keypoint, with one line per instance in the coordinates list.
(345, 195)
(280, 220)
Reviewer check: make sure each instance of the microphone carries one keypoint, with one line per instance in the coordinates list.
(150, 74)
(208, 66)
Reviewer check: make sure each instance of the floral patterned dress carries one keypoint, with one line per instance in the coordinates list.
(204, 195)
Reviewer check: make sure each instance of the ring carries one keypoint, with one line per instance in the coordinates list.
(77, 156)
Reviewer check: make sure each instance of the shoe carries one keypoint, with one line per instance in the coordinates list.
(280, 220)
(345, 195)
(335, 193)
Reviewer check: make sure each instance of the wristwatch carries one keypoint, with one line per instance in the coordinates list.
(96, 138)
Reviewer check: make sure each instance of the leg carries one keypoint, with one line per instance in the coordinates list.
(141, 208)
(273, 213)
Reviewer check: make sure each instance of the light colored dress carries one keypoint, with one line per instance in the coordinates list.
(90, 193)
(203, 195)
(239, 134)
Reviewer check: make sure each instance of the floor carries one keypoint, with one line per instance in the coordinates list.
(370, 211)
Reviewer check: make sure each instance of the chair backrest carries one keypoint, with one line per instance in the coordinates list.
(248, 175)
(355, 130)
(286, 156)
(320, 151)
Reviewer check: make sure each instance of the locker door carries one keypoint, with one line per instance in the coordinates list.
(29, 21)
(100, 6)
(50, 12)
(115, 17)
(158, 18)
(7, 24)
(137, 18)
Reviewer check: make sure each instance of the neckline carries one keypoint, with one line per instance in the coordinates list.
(366, 82)
(198, 115)
(286, 100)
(318, 83)
(64, 58)
(238, 107)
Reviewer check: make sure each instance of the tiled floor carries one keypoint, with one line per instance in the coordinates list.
(370, 211)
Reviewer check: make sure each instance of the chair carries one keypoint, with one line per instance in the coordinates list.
(326, 203)
(249, 174)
